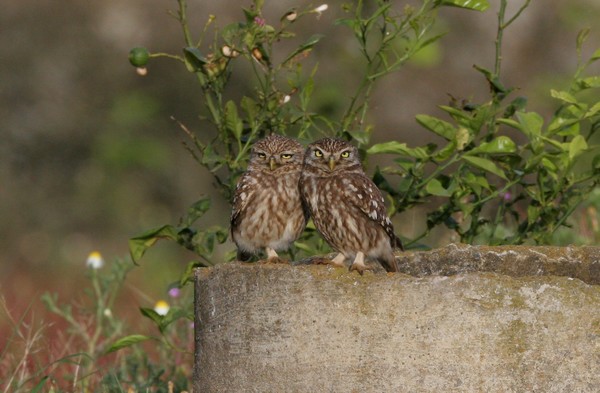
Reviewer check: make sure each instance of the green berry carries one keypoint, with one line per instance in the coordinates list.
(138, 57)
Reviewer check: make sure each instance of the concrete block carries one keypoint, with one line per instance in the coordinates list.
(459, 319)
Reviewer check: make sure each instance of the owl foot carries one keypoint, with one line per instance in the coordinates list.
(359, 264)
(272, 257)
(325, 261)
(361, 269)
(275, 260)
(338, 261)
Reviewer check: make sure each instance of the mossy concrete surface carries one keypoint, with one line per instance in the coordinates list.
(517, 261)
(483, 324)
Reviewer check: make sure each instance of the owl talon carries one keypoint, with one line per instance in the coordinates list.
(326, 261)
(359, 263)
(361, 269)
(275, 260)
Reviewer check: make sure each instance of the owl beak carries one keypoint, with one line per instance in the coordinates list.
(272, 163)
(331, 163)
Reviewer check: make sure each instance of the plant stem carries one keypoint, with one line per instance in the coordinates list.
(183, 20)
(499, 36)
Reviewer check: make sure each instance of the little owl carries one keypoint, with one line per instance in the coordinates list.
(267, 209)
(346, 206)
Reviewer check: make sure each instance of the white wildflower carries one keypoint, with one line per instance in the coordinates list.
(161, 307)
(95, 260)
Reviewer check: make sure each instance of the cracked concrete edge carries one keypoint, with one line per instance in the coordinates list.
(517, 261)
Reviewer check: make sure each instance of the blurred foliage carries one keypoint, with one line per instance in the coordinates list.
(84, 359)
(482, 178)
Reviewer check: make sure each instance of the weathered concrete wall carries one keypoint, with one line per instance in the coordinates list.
(486, 320)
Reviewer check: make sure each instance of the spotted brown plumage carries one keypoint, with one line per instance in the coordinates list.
(346, 206)
(267, 211)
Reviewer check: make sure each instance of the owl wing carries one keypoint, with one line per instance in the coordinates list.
(244, 193)
(362, 193)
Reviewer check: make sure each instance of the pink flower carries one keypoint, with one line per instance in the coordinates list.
(174, 292)
(259, 21)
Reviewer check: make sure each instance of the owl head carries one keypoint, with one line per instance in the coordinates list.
(276, 153)
(331, 156)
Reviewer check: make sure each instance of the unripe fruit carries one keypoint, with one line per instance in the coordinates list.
(138, 57)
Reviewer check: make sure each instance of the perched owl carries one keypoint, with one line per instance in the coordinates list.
(267, 209)
(346, 206)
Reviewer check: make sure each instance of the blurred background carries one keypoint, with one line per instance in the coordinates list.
(89, 155)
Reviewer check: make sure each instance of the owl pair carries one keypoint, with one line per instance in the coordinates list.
(285, 184)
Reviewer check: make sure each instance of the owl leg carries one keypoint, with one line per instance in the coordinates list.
(339, 260)
(272, 256)
(359, 263)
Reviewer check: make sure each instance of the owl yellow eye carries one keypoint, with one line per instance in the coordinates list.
(262, 155)
(286, 156)
(318, 153)
(345, 154)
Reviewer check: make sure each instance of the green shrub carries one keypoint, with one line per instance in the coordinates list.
(501, 174)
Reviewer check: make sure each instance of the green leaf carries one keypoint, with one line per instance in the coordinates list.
(462, 138)
(258, 4)
(152, 315)
(549, 165)
(139, 244)
(510, 122)
(485, 164)
(475, 5)
(446, 152)
(530, 123)
(394, 147)
(250, 14)
(564, 126)
(577, 146)
(251, 108)
(591, 82)
(193, 58)
(434, 187)
(361, 136)
(582, 36)
(518, 104)
(533, 212)
(595, 55)
(492, 79)
(188, 274)
(127, 342)
(230, 32)
(40, 385)
(593, 110)
(312, 41)
(499, 145)
(456, 114)
(211, 158)
(563, 96)
(173, 315)
(232, 120)
(197, 210)
(205, 243)
(438, 126)
(551, 168)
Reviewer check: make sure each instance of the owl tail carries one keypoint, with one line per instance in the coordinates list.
(398, 243)
(389, 263)
(243, 256)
